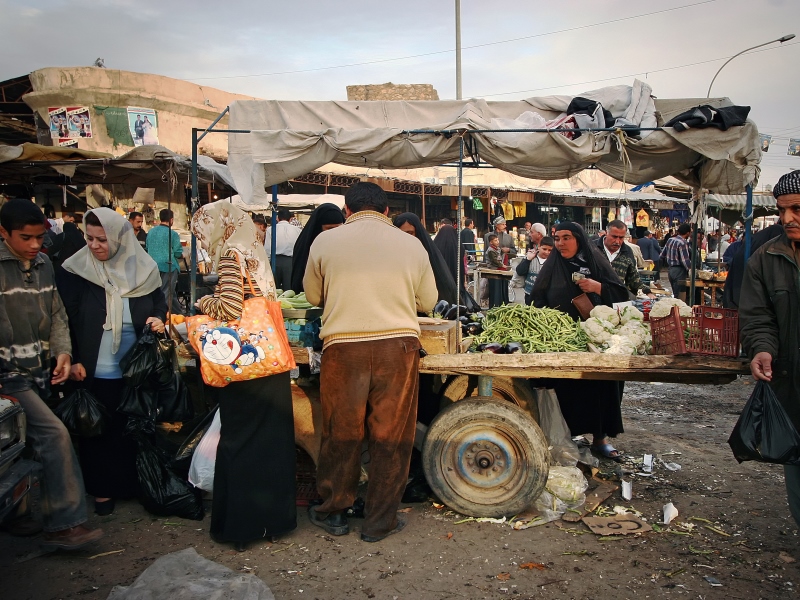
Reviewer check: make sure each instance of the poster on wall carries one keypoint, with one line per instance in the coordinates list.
(67, 143)
(58, 122)
(143, 123)
(794, 147)
(79, 125)
(765, 141)
(597, 215)
(69, 122)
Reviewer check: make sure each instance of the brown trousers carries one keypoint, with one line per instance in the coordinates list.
(372, 384)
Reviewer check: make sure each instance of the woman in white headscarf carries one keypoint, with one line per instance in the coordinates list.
(111, 290)
(254, 475)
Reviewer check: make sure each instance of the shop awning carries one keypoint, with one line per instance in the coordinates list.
(739, 201)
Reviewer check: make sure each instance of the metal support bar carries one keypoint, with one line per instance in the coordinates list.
(748, 222)
(194, 205)
(485, 385)
(217, 120)
(274, 221)
(459, 213)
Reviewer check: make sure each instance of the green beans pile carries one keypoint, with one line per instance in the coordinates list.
(537, 329)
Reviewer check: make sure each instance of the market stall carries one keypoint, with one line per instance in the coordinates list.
(625, 136)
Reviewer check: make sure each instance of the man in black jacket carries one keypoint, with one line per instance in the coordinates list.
(650, 249)
(769, 313)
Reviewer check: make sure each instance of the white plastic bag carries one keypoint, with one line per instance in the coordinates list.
(201, 471)
(565, 490)
(563, 451)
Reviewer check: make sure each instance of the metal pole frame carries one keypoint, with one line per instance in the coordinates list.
(748, 222)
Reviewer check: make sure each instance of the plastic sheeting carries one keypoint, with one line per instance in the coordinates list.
(185, 575)
(291, 138)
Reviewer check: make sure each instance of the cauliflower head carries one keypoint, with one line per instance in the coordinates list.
(605, 313)
(630, 313)
(597, 330)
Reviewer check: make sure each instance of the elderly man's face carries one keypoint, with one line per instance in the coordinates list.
(535, 236)
(500, 227)
(789, 211)
(614, 239)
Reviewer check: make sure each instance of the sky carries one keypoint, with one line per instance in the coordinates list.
(512, 49)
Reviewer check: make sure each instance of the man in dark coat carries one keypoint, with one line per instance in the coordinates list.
(769, 311)
(733, 283)
(650, 249)
(612, 245)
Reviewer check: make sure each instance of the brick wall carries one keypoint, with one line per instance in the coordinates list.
(391, 91)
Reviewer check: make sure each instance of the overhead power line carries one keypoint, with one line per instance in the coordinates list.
(564, 85)
(517, 39)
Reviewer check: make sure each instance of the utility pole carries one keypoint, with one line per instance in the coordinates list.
(458, 49)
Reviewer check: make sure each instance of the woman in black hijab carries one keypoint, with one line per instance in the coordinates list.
(447, 242)
(445, 283)
(325, 216)
(588, 406)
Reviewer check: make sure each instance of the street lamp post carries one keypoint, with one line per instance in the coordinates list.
(785, 38)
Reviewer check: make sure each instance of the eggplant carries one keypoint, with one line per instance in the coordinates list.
(514, 348)
(494, 348)
(464, 319)
(474, 329)
(480, 316)
(441, 308)
(454, 309)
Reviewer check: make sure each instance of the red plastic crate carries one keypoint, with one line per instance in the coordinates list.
(710, 331)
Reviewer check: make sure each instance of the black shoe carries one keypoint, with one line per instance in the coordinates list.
(375, 538)
(240, 546)
(105, 508)
(333, 524)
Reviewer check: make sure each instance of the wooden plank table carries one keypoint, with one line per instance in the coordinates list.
(583, 365)
(711, 285)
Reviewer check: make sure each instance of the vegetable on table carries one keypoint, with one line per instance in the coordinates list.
(536, 329)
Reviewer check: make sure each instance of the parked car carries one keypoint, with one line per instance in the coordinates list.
(16, 473)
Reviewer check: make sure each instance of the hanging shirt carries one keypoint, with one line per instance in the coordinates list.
(642, 218)
(107, 361)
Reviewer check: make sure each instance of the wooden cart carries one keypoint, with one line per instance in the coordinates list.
(484, 454)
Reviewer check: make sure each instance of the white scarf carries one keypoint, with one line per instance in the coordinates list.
(129, 272)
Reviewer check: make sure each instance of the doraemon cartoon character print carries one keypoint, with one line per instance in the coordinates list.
(222, 346)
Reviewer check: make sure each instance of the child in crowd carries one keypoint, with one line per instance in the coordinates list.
(33, 330)
(494, 259)
(530, 266)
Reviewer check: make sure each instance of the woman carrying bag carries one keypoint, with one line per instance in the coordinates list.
(254, 477)
(577, 271)
(111, 291)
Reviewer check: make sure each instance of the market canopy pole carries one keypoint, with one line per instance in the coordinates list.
(458, 49)
(748, 220)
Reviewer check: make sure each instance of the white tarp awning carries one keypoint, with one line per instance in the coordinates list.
(291, 138)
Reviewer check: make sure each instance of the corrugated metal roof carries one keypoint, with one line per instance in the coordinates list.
(739, 202)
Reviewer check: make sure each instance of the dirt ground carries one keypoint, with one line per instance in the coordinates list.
(751, 551)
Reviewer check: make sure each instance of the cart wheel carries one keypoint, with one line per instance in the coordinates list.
(485, 458)
(514, 390)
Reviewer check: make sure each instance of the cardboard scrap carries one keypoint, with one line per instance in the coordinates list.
(617, 525)
(593, 499)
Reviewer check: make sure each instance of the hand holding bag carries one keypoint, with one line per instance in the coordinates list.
(253, 346)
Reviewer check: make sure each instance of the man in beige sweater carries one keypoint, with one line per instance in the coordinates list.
(371, 279)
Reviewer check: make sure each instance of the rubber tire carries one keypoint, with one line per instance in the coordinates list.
(514, 390)
(515, 437)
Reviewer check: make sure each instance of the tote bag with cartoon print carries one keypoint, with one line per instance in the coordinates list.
(254, 346)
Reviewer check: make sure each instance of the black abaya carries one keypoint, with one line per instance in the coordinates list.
(254, 477)
(592, 407)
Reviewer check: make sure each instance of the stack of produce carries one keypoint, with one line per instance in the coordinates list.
(613, 332)
(516, 328)
(663, 308)
(289, 300)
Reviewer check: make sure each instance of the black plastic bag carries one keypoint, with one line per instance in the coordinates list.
(142, 360)
(82, 414)
(183, 456)
(173, 403)
(138, 402)
(167, 363)
(163, 493)
(764, 431)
